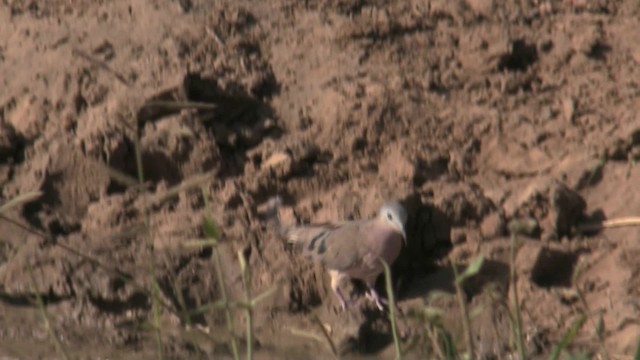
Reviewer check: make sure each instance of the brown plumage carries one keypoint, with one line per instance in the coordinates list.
(350, 249)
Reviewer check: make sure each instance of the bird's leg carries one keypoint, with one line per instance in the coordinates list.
(343, 303)
(373, 295)
(336, 280)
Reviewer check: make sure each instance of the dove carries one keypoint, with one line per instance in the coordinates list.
(350, 249)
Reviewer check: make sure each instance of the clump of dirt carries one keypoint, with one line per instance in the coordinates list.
(472, 113)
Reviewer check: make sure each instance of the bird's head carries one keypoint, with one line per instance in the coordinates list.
(394, 213)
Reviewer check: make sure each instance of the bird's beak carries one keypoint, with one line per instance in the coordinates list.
(404, 236)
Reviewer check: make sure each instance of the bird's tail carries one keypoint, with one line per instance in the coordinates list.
(292, 235)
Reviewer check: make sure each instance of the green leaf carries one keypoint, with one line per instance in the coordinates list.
(568, 337)
(471, 270)
(600, 327)
(637, 355)
(209, 227)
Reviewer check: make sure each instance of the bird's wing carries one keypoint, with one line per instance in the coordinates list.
(336, 246)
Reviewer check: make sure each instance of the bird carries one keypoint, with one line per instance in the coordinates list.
(349, 249)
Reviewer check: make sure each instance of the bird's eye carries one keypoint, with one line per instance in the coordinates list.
(389, 216)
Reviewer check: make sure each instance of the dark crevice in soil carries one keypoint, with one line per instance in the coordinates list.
(30, 299)
(521, 57)
(554, 268)
(137, 300)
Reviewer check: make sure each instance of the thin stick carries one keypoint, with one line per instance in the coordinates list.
(101, 64)
(612, 223)
(112, 270)
(223, 291)
(155, 288)
(466, 322)
(19, 200)
(392, 308)
(332, 345)
(514, 285)
(246, 282)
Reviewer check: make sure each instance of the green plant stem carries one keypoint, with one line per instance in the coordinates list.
(211, 233)
(246, 282)
(586, 312)
(223, 295)
(514, 285)
(332, 345)
(392, 309)
(466, 323)
(155, 288)
(568, 337)
(45, 317)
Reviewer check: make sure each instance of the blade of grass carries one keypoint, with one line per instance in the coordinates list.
(637, 355)
(263, 295)
(124, 276)
(211, 231)
(246, 283)
(119, 176)
(19, 200)
(103, 65)
(183, 310)
(516, 227)
(568, 337)
(224, 304)
(304, 333)
(327, 337)
(392, 308)
(155, 287)
(598, 325)
(471, 270)
(466, 322)
(194, 181)
(441, 340)
(45, 318)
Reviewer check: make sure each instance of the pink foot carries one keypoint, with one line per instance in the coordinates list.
(373, 295)
(344, 305)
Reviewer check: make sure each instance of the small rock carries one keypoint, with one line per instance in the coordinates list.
(276, 159)
(28, 118)
(280, 162)
(492, 226)
(568, 109)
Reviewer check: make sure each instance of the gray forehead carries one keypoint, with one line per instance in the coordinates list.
(396, 209)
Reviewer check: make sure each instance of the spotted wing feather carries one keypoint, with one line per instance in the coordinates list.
(336, 246)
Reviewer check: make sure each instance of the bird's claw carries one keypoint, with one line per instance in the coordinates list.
(373, 295)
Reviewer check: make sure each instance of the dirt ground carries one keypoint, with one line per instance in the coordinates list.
(474, 113)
